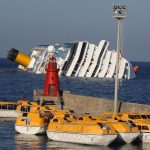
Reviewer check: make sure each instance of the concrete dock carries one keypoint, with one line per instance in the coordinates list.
(87, 104)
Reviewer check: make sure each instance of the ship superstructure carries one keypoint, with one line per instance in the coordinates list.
(80, 59)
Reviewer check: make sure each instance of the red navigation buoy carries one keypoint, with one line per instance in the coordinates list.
(51, 86)
(136, 68)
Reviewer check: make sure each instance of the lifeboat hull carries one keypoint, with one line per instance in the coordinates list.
(145, 137)
(31, 129)
(9, 114)
(90, 139)
(128, 137)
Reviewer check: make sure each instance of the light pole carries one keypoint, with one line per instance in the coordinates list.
(119, 14)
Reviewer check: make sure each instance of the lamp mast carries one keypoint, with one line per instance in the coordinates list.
(119, 14)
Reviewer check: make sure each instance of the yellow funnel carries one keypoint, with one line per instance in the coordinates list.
(23, 59)
(19, 57)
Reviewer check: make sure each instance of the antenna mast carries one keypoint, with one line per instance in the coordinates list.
(119, 14)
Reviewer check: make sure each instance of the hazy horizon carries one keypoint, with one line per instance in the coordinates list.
(25, 24)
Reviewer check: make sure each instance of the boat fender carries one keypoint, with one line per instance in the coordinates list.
(136, 69)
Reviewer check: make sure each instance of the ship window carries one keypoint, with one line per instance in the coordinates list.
(24, 114)
(148, 116)
(139, 127)
(4, 106)
(132, 123)
(55, 120)
(100, 124)
(80, 118)
(144, 116)
(116, 118)
(65, 119)
(137, 116)
(90, 117)
(66, 115)
(15, 106)
(120, 121)
(11, 107)
(131, 116)
(145, 128)
(25, 108)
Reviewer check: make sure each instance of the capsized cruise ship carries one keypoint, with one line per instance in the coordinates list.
(79, 59)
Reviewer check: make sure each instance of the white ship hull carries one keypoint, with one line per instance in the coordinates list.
(105, 65)
(112, 65)
(31, 129)
(90, 139)
(88, 60)
(128, 137)
(96, 55)
(74, 60)
(9, 114)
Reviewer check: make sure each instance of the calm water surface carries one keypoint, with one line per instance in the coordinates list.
(14, 85)
(10, 140)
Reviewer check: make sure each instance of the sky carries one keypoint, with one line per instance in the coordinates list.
(27, 23)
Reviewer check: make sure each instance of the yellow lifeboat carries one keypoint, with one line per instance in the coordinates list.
(32, 123)
(13, 109)
(68, 129)
(127, 131)
(142, 121)
(8, 110)
(35, 119)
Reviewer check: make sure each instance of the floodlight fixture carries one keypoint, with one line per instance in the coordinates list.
(119, 11)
